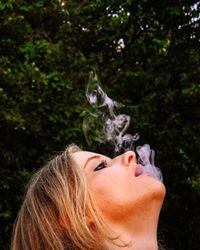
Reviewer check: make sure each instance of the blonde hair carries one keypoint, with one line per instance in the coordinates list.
(54, 213)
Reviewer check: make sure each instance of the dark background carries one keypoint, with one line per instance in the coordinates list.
(48, 48)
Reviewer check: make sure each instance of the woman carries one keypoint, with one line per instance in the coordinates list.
(84, 200)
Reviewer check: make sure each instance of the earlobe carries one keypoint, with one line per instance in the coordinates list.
(61, 222)
(88, 221)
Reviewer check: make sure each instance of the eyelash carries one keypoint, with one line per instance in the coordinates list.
(102, 165)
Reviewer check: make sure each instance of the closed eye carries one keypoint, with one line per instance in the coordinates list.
(102, 165)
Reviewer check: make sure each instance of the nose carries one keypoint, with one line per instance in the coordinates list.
(128, 158)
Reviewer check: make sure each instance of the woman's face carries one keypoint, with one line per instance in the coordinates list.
(116, 185)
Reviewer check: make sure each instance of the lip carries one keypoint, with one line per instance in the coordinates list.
(138, 170)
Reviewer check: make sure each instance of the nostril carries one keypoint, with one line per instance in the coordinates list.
(130, 158)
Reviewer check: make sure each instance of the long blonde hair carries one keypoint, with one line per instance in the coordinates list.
(54, 213)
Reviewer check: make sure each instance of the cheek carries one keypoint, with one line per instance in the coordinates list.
(103, 190)
(112, 192)
(118, 195)
(114, 203)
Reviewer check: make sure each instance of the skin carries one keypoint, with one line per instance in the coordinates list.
(130, 204)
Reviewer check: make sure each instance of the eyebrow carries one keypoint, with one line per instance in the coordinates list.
(91, 158)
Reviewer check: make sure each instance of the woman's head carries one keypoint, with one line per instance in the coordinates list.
(71, 200)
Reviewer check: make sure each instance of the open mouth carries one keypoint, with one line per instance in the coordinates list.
(138, 170)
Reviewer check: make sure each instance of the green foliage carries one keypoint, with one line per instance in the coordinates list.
(146, 54)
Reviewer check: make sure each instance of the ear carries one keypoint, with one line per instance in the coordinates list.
(89, 221)
(61, 222)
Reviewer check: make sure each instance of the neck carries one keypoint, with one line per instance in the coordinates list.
(138, 232)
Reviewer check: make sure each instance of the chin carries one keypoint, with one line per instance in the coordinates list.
(158, 190)
(153, 189)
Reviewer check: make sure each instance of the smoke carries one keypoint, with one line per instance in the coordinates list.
(146, 157)
(104, 125)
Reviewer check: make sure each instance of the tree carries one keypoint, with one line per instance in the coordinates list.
(147, 57)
